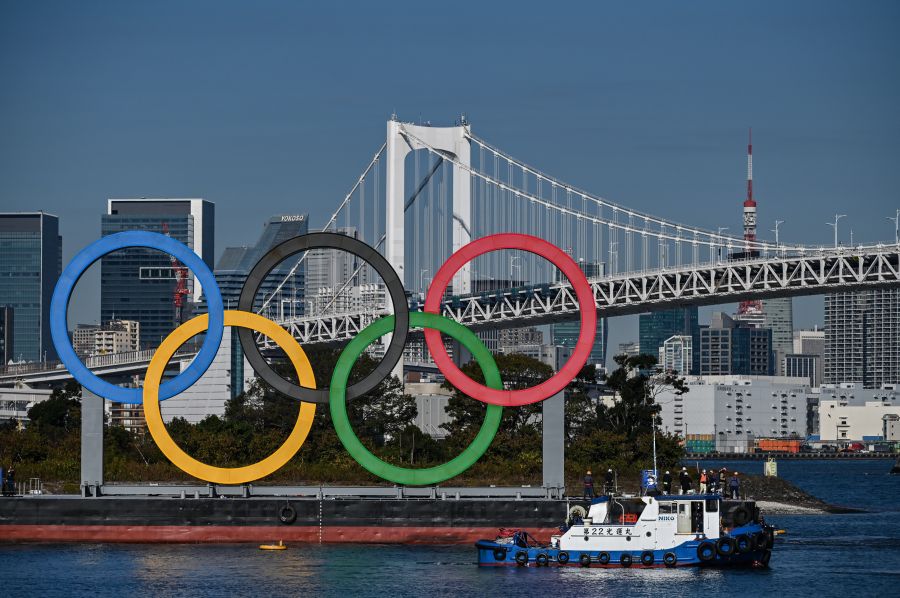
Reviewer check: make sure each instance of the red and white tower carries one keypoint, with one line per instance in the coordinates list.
(750, 307)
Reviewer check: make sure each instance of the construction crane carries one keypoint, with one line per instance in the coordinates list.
(181, 291)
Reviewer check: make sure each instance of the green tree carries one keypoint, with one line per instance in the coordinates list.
(635, 410)
(60, 412)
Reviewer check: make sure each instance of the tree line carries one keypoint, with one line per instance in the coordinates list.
(598, 434)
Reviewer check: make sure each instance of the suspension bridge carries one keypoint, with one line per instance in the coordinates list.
(429, 190)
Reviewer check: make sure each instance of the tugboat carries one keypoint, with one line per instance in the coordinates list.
(644, 531)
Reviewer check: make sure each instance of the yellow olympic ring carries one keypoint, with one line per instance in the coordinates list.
(227, 475)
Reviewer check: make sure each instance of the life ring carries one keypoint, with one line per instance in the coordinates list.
(725, 546)
(670, 559)
(522, 558)
(647, 558)
(625, 559)
(603, 558)
(499, 554)
(542, 560)
(706, 551)
(761, 541)
(576, 511)
(585, 560)
(287, 514)
(741, 516)
(562, 558)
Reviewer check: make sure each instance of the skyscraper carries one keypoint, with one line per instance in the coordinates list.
(861, 340)
(138, 283)
(677, 354)
(30, 265)
(728, 346)
(236, 262)
(657, 326)
(328, 271)
(7, 345)
(565, 334)
(231, 273)
(780, 318)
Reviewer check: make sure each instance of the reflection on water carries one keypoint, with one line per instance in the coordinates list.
(821, 555)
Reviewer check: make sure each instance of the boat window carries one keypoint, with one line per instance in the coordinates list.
(667, 507)
(625, 511)
(712, 505)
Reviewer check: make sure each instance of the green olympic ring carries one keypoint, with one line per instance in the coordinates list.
(404, 475)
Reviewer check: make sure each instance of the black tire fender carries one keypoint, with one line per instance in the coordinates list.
(522, 558)
(563, 557)
(603, 558)
(669, 559)
(585, 560)
(542, 560)
(743, 544)
(499, 554)
(647, 558)
(625, 560)
(706, 551)
(741, 516)
(725, 546)
(287, 514)
(761, 541)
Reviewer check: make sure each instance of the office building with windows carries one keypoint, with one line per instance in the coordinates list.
(283, 300)
(138, 283)
(731, 347)
(657, 326)
(7, 345)
(801, 365)
(862, 343)
(565, 334)
(677, 354)
(30, 265)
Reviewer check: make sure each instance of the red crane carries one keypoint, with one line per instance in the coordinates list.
(181, 289)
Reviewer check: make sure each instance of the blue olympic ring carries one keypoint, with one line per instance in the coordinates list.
(59, 306)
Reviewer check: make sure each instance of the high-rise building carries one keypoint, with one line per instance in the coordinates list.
(83, 337)
(677, 354)
(565, 334)
(799, 365)
(334, 270)
(138, 283)
(861, 340)
(657, 326)
(729, 347)
(236, 262)
(233, 268)
(117, 336)
(780, 318)
(7, 345)
(806, 357)
(809, 342)
(30, 265)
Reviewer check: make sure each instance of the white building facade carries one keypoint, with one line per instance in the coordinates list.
(733, 407)
(848, 412)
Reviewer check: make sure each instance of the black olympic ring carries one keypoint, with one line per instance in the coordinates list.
(326, 241)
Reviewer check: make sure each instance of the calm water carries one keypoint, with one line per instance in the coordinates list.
(831, 555)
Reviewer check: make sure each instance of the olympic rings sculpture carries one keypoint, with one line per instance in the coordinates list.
(307, 392)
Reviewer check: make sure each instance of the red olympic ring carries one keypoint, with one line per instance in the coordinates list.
(557, 257)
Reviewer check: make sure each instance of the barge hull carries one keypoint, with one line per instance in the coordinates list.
(173, 520)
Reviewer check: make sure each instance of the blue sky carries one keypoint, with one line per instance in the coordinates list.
(274, 107)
